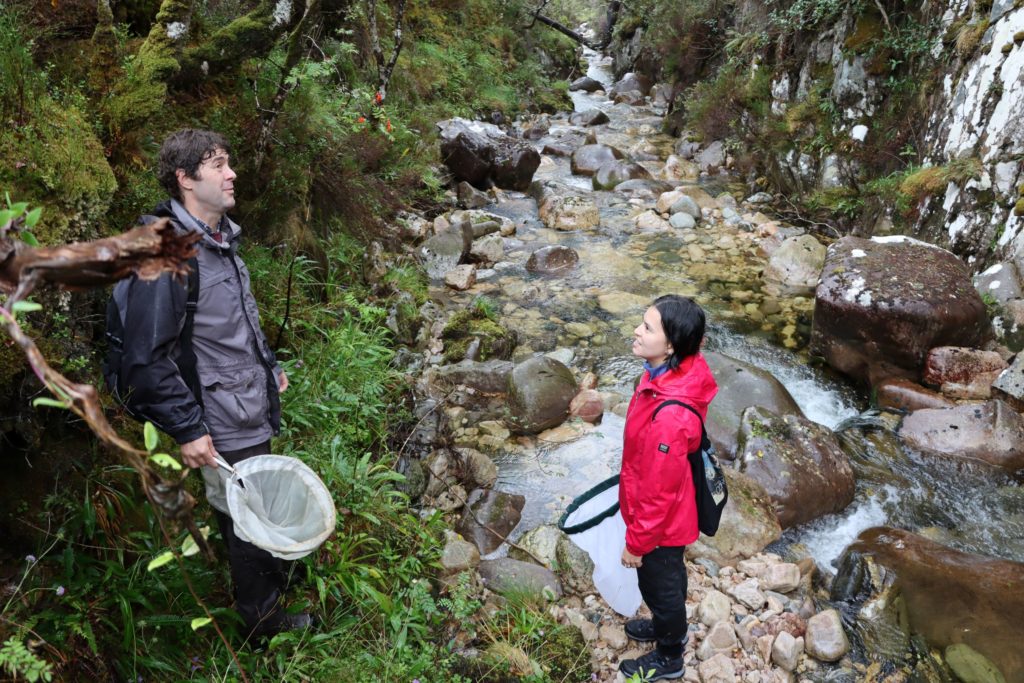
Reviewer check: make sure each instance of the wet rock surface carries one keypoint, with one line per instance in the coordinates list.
(950, 596)
(871, 325)
(991, 432)
(798, 462)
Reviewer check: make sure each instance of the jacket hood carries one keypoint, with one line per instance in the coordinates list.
(691, 382)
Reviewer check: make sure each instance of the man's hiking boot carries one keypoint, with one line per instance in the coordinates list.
(641, 630)
(653, 666)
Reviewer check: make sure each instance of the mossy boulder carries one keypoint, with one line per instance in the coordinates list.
(540, 390)
(54, 159)
(491, 339)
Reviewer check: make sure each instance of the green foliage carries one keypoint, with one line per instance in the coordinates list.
(19, 662)
(804, 15)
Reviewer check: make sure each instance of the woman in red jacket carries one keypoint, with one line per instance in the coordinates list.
(656, 492)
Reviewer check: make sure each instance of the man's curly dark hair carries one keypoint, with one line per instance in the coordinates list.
(187, 149)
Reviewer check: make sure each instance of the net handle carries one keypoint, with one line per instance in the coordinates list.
(585, 497)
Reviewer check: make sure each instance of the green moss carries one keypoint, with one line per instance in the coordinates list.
(465, 326)
(1018, 37)
(55, 160)
(968, 37)
(869, 29)
(1007, 48)
(1018, 209)
(158, 56)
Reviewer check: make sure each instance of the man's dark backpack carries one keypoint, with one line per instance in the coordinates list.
(116, 307)
(708, 478)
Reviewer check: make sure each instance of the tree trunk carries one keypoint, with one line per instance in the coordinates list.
(295, 49)
(612, 16)
(389, 68)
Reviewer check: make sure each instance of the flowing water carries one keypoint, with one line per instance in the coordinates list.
(588, 317)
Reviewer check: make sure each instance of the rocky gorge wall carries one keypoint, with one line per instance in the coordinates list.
(880, 118)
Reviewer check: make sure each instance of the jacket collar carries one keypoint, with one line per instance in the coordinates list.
(229, 228)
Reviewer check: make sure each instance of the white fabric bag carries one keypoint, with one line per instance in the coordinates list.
(277, 503)
(594, 523)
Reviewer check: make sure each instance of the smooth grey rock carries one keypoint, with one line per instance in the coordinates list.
(682, 221)
(685, 204)
(825, 639)
(588, 158)
(540, 391)
(586, 84)
(506, 575)
(613, 173)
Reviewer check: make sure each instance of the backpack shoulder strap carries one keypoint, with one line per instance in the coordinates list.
(704, 440)
(187, 361)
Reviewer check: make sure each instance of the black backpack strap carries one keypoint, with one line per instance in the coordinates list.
(704, 440)
(187, 361)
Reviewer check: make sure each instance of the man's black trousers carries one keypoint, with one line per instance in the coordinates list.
(662, 579)
(258, 578)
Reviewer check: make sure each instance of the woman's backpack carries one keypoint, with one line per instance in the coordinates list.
(708, 478)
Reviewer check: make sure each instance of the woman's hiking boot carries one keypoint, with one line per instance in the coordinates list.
(653, 666)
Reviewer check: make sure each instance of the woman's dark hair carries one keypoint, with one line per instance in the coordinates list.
(683, 322)
(187, 149)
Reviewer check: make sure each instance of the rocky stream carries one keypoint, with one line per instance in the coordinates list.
(869, 422)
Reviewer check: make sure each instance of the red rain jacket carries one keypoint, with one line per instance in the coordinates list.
(656, 492)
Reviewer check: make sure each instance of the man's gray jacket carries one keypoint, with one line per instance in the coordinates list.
(237, 400)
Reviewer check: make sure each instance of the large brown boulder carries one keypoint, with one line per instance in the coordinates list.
(588, 158)
(798, 462)
(949, 597)
(741, 385)
(991, 432)
(483, 155)
(881, 304)
(540, 390)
